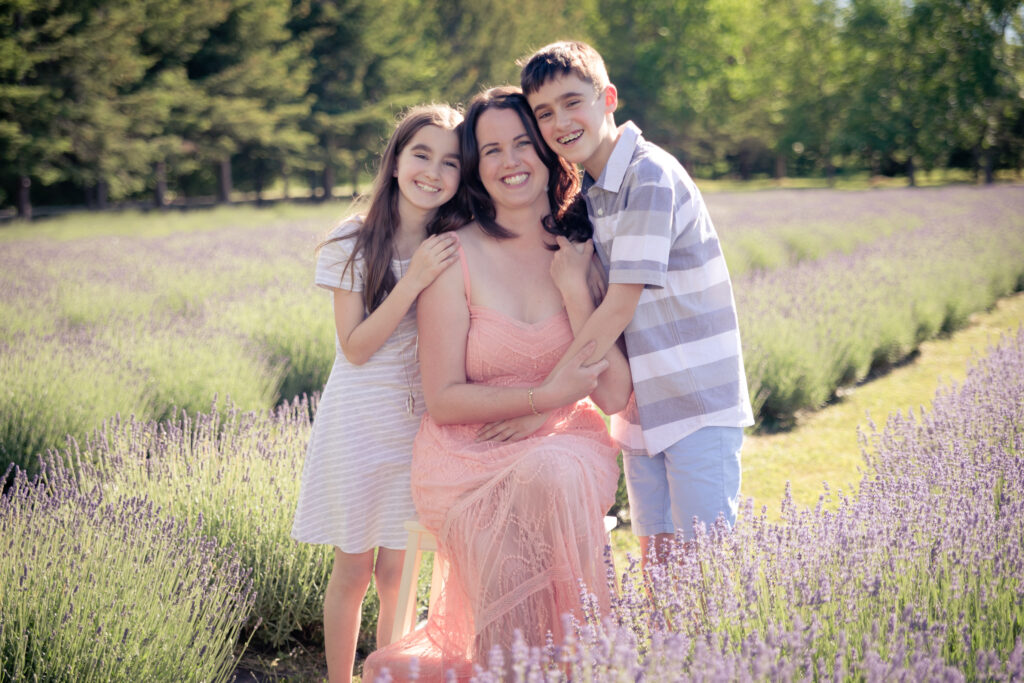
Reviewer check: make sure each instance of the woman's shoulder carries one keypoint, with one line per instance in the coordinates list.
(470, 235)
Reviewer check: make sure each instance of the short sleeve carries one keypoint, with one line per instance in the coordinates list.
(642, 242)
(333, 270)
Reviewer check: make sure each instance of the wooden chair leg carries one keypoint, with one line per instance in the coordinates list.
(405, 608)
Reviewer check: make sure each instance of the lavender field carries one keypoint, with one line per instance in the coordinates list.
(164, 362)
(918, 577)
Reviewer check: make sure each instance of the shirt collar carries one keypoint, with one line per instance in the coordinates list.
(615, 170)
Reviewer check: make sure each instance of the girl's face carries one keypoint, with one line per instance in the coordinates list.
(510, 170)
(427, 169)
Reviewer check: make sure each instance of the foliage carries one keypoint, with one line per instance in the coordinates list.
(123, 99)
(820, 324)
(147, 315)
(101, 586)
(234, 476)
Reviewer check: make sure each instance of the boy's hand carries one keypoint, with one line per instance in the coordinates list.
(570, 267)
(571, 380)
(431, 258)
(597, 280)
(514, 429)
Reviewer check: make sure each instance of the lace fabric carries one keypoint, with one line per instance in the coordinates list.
(519, 525)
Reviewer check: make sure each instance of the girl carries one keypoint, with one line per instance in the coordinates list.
(355, 490)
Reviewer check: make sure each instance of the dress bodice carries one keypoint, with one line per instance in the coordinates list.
(503, 351)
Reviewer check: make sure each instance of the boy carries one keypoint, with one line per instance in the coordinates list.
(669, 291)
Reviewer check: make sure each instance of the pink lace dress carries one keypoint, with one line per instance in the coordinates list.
(519, 525)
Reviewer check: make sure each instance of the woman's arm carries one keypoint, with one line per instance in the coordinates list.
(443, 319)
(570, 270)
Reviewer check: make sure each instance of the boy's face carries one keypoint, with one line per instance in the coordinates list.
(575, 121)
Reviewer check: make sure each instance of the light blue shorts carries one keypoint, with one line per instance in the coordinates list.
(698, 477)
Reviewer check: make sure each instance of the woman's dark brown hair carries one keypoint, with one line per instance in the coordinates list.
(568, 211)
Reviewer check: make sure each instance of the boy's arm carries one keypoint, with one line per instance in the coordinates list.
(606, 323)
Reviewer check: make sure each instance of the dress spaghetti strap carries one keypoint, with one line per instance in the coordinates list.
(465, 269)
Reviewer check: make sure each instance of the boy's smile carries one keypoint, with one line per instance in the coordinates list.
(576, 121)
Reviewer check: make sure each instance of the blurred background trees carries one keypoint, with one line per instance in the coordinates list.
(157, 100)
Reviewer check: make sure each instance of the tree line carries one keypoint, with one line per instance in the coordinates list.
(112, 100)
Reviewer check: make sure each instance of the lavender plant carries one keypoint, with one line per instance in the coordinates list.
(100, 587)
(817, 325)
(236, 475)
(180, 307)
(919, 576)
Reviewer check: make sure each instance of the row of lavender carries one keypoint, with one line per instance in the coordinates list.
(145, 313)
(163, 544)
(920, 576)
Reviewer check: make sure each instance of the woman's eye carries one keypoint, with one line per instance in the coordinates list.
(420, 155)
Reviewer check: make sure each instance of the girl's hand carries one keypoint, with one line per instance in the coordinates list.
(431, 258)
(514, 429)
(570, 267)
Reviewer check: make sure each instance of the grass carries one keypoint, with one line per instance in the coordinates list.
(824, 446)
(851, 181)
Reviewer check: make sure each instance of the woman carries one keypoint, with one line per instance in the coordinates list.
(512, 476)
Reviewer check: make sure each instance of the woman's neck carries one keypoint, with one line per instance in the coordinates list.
(526, 222)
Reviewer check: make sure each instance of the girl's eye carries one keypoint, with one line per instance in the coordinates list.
(452, 164)
(419, 155)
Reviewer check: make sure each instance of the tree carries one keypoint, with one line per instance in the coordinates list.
(31, 44)
(249, 88)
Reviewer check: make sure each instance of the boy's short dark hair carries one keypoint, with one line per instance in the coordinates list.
(560, 59)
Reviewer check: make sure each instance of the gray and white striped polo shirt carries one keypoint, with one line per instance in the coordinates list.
(651, 227)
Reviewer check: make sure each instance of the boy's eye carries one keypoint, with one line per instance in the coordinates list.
(572, 103)
(543, 115)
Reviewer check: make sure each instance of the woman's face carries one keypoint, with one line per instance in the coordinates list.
(510, 170)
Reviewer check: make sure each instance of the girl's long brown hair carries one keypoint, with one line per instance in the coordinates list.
(375, 237)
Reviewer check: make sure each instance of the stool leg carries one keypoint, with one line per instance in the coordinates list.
(406, 606)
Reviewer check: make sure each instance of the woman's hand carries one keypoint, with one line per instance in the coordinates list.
(431, 259)
(514, 429)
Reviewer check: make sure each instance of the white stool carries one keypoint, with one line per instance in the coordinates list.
(422, 541)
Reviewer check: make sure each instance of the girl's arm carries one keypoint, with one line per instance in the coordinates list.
(570, 270)
(443, 319)
(362, 335)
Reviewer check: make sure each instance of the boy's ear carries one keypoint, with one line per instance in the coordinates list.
(611, 99)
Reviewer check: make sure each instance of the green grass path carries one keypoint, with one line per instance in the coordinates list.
(824, 445)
